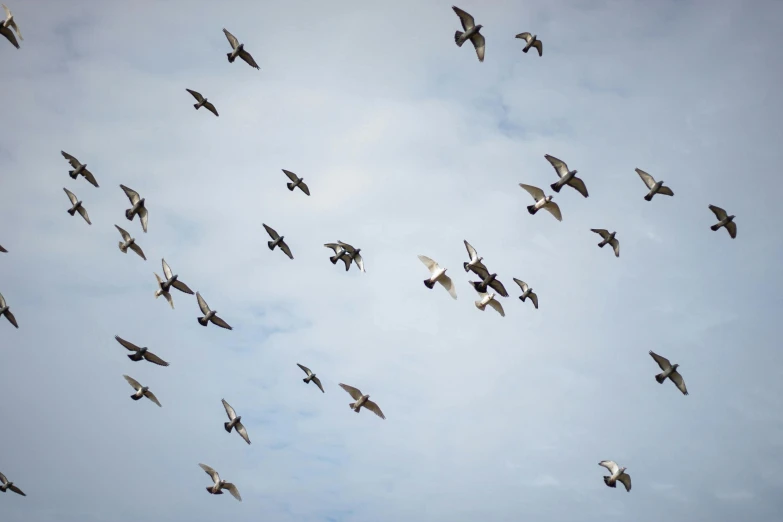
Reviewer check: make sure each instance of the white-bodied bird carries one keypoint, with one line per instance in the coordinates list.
(489, 299)
(438, 275)
(361, 401)
(656, 187)
(618, 474)
(542, 201)
(219, 485)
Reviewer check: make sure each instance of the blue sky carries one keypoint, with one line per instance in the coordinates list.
(409, 146)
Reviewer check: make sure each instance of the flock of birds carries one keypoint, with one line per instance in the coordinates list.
(350, 255)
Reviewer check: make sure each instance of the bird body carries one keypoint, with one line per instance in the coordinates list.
(140, 353)
(8, 26)
(475, 259)
(238, 50)
(489, 299)
(296, 181)
(79, 169)
(172, 280)
(141, 391)
(129, 242)
(201, 101)
(488, 280)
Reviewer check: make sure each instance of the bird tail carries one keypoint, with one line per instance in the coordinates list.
(333, 259)
(715, 227)
(306, 380)
(135, 397)
(465, 266)
(602, 244)
(660, 378)
(195, 106)
(271, 245)
(526, 49)
(522, 298)
(202, 321)
(129, 215)
(457, 38)
(72, 211)
(479, 305)
(353, 406)
(610, 484)
(479, 286)
(532, 209)
(429, 284)
(123, 248)
(131, 356)
(226, 425)
(290, 186)
(4, 488)
(648, 197)
(71, 173)
(230, 58)
(554, 186)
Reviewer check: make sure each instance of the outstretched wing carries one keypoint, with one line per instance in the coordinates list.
(286, 250)
(317, 382)
(166, 269)
(202, 304)
(538, 45)
(719, 212)
(534, 298)
(133, 382)
(616, 246)
(554, 209)
(151, 396)
(601, 232)
(248, 58)
(610, 465)
(89, 177)
(665, 191)
(211, 472)
(305, 369)
(625, 478)
(231, 39)
(560, 167)
(11, 318)
(293, 177)
(217, 321)
(472, 253)
(136, 248)
(524, 36)
(370, 405)
(498, 287)
(467, 21)
(83, 212)
(732, 228)
(678, 380)
(5, 31)
(648, 180)
(233, 489)
(124, 232)
(127, 344)
(663, 362)
(271, 232)
(72, 160)
(494, 303)
(477, 39)
(211, 108)
(229, 410)
(154, 359)
(448, 284)
(71, 196)
(197, 95)
(303, 186)
(353, 392)
(431, 264)
(579, 185)
(536, 192)
(133, 196)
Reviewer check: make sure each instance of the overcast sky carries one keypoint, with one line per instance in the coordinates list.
(409, 146)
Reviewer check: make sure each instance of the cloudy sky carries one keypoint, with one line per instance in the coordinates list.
(409, 146)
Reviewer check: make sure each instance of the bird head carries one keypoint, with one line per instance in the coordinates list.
(675, 366)
(478, 27)
(731, 217)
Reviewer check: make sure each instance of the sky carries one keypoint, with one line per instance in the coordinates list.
(409, 146)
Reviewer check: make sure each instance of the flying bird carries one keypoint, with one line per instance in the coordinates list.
(361, 401)
(655, 187)
(296, 182)
(234, 422)
(527, 292)
(5, 485)
(438, 275)
(311, 377)
(608, 239)
(489, 299)
(77, 206)
(475, 260)
(220, 485)
(277, 240)
(488, 280)
(354, 254)
(567, 177)
(163, 291)
(129, 242)
(339, 253)
(471, 33)
(140, 353)
(617, 474)
(532, 41)
(141, 391)
(79, 169)
(209, 315)
(8, 24)
(238, 49)
(138, 207)
(669, 371)
(724, 221)
(172, 280)
(202, 102)
(5, 310)
(542, 201)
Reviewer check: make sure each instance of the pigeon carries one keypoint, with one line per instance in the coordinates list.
(141, 391)
(202, 102)
(209, 315)
(489, 299)
(608, 239)
(567, 177)
(339, 253)
(129, 242)
(5, 485)
(617, 473)
(488, 280)
(238, 49)
(361, 401)
(353, 253)
(669, 371)
(6, 311)
(234, 422)
(77, 206)
(438, 274)
(172, 279)
(277, 240)
(6, 28)
(542, 201)
(220, 485)
(527, 292)
(9, 34)
(79, 169)
(532, 41)
(475, 260)
(140, 353)
(655, 187)
(138, 207)
(3, 250)
(724, 221)
(163, 291)
(311, 377)
(471, 33)
(296, 182)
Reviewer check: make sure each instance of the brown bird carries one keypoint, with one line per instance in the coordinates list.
(361, 400)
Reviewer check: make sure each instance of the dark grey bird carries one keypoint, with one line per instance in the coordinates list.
(202, 102)
(141, 391)
(5, 485)
(79, 169)
(669, 372)
(471, 33)
(138, 207)
(311, 377)
(725, 220)
(129, 242)
(361, 401)
(277, 240)
(5, 310)
(140, 353)
(219, 485)
(608, 239)
(3, 250)
(339, 253)
(238, 49)
(172, 280)
(354, 253)
(656, 187)
(234, 422)
(209, 315)
(296, 181)
(475, 259)
(488, 280)
(527, 292)
(532, 41)
(618, 474)
(76, 206)
(567, 177)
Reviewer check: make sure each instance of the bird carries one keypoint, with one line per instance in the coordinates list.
(5, 310)
(138, 207)
(6, 28)
(79, 169)
(617, 473)
(311, 377)
(220, 485)
(77, 206)
(724, 221)
(234, 422)
(361, 401)
(339, 253)
(238, 49)
(129, 242)
(655, 187)
(296, 182)
(669, 371)
(608, 239)
(489, 299)
(354, 254)
(202, 102)
(172, 280)
(475, 260)
(527, 292)
(141, 391)
(163, 291)
(567, 177)
(277, 240)
(532, 41)
(488, 280)
(209, 315)
(438, 274)
(5, 485)
(3, 250)
(471, 33)
(140, 353)
(542, 201)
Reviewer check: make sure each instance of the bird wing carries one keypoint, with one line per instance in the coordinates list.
(477, 39)
(448, 284)
(72, 160)
(678, 380)
(317, 382)
(601, 232)
(5, 31)
(197, 95)
(373, 407)
(286, 250)
(11, 318)
(534, 298)
(211, 108)
(334, 246)
(182, 287)
(248, 58)
(233, 490)
(348, 248)
(479, 270)
(271, 232)
(499, 288)
(554, 209)
(524, 36)
(347, 259)
(151, 357)
(665, 191)
(471, 251)
(151, 396)
(143, 216)
(71, 196)
(124, 233)
(133, 382)
(202, 304)
(625, 478)
(217, 321)
(353, 392)
(127, 344)
(663, 362)
(3, 479)
(16, 490)
(431, 264)
(293, 177)
(3, 249)
(303, 186)
(538, 45)
(166, 269)
(467, 21)
(616, 246)
(211, 472)
(133, 196)
(536, 192)
(83, 211)
(560, 167)
(732, 228)
(89, 177)
(719, 212)
(494, 303)
(136, 248)
(521, 284)
(648, 180)
(232, 414)
(242, 431)
(231, 39)
(610, 465)
(357, 258)
(2, 301)
(579, 185)
(305, 369)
